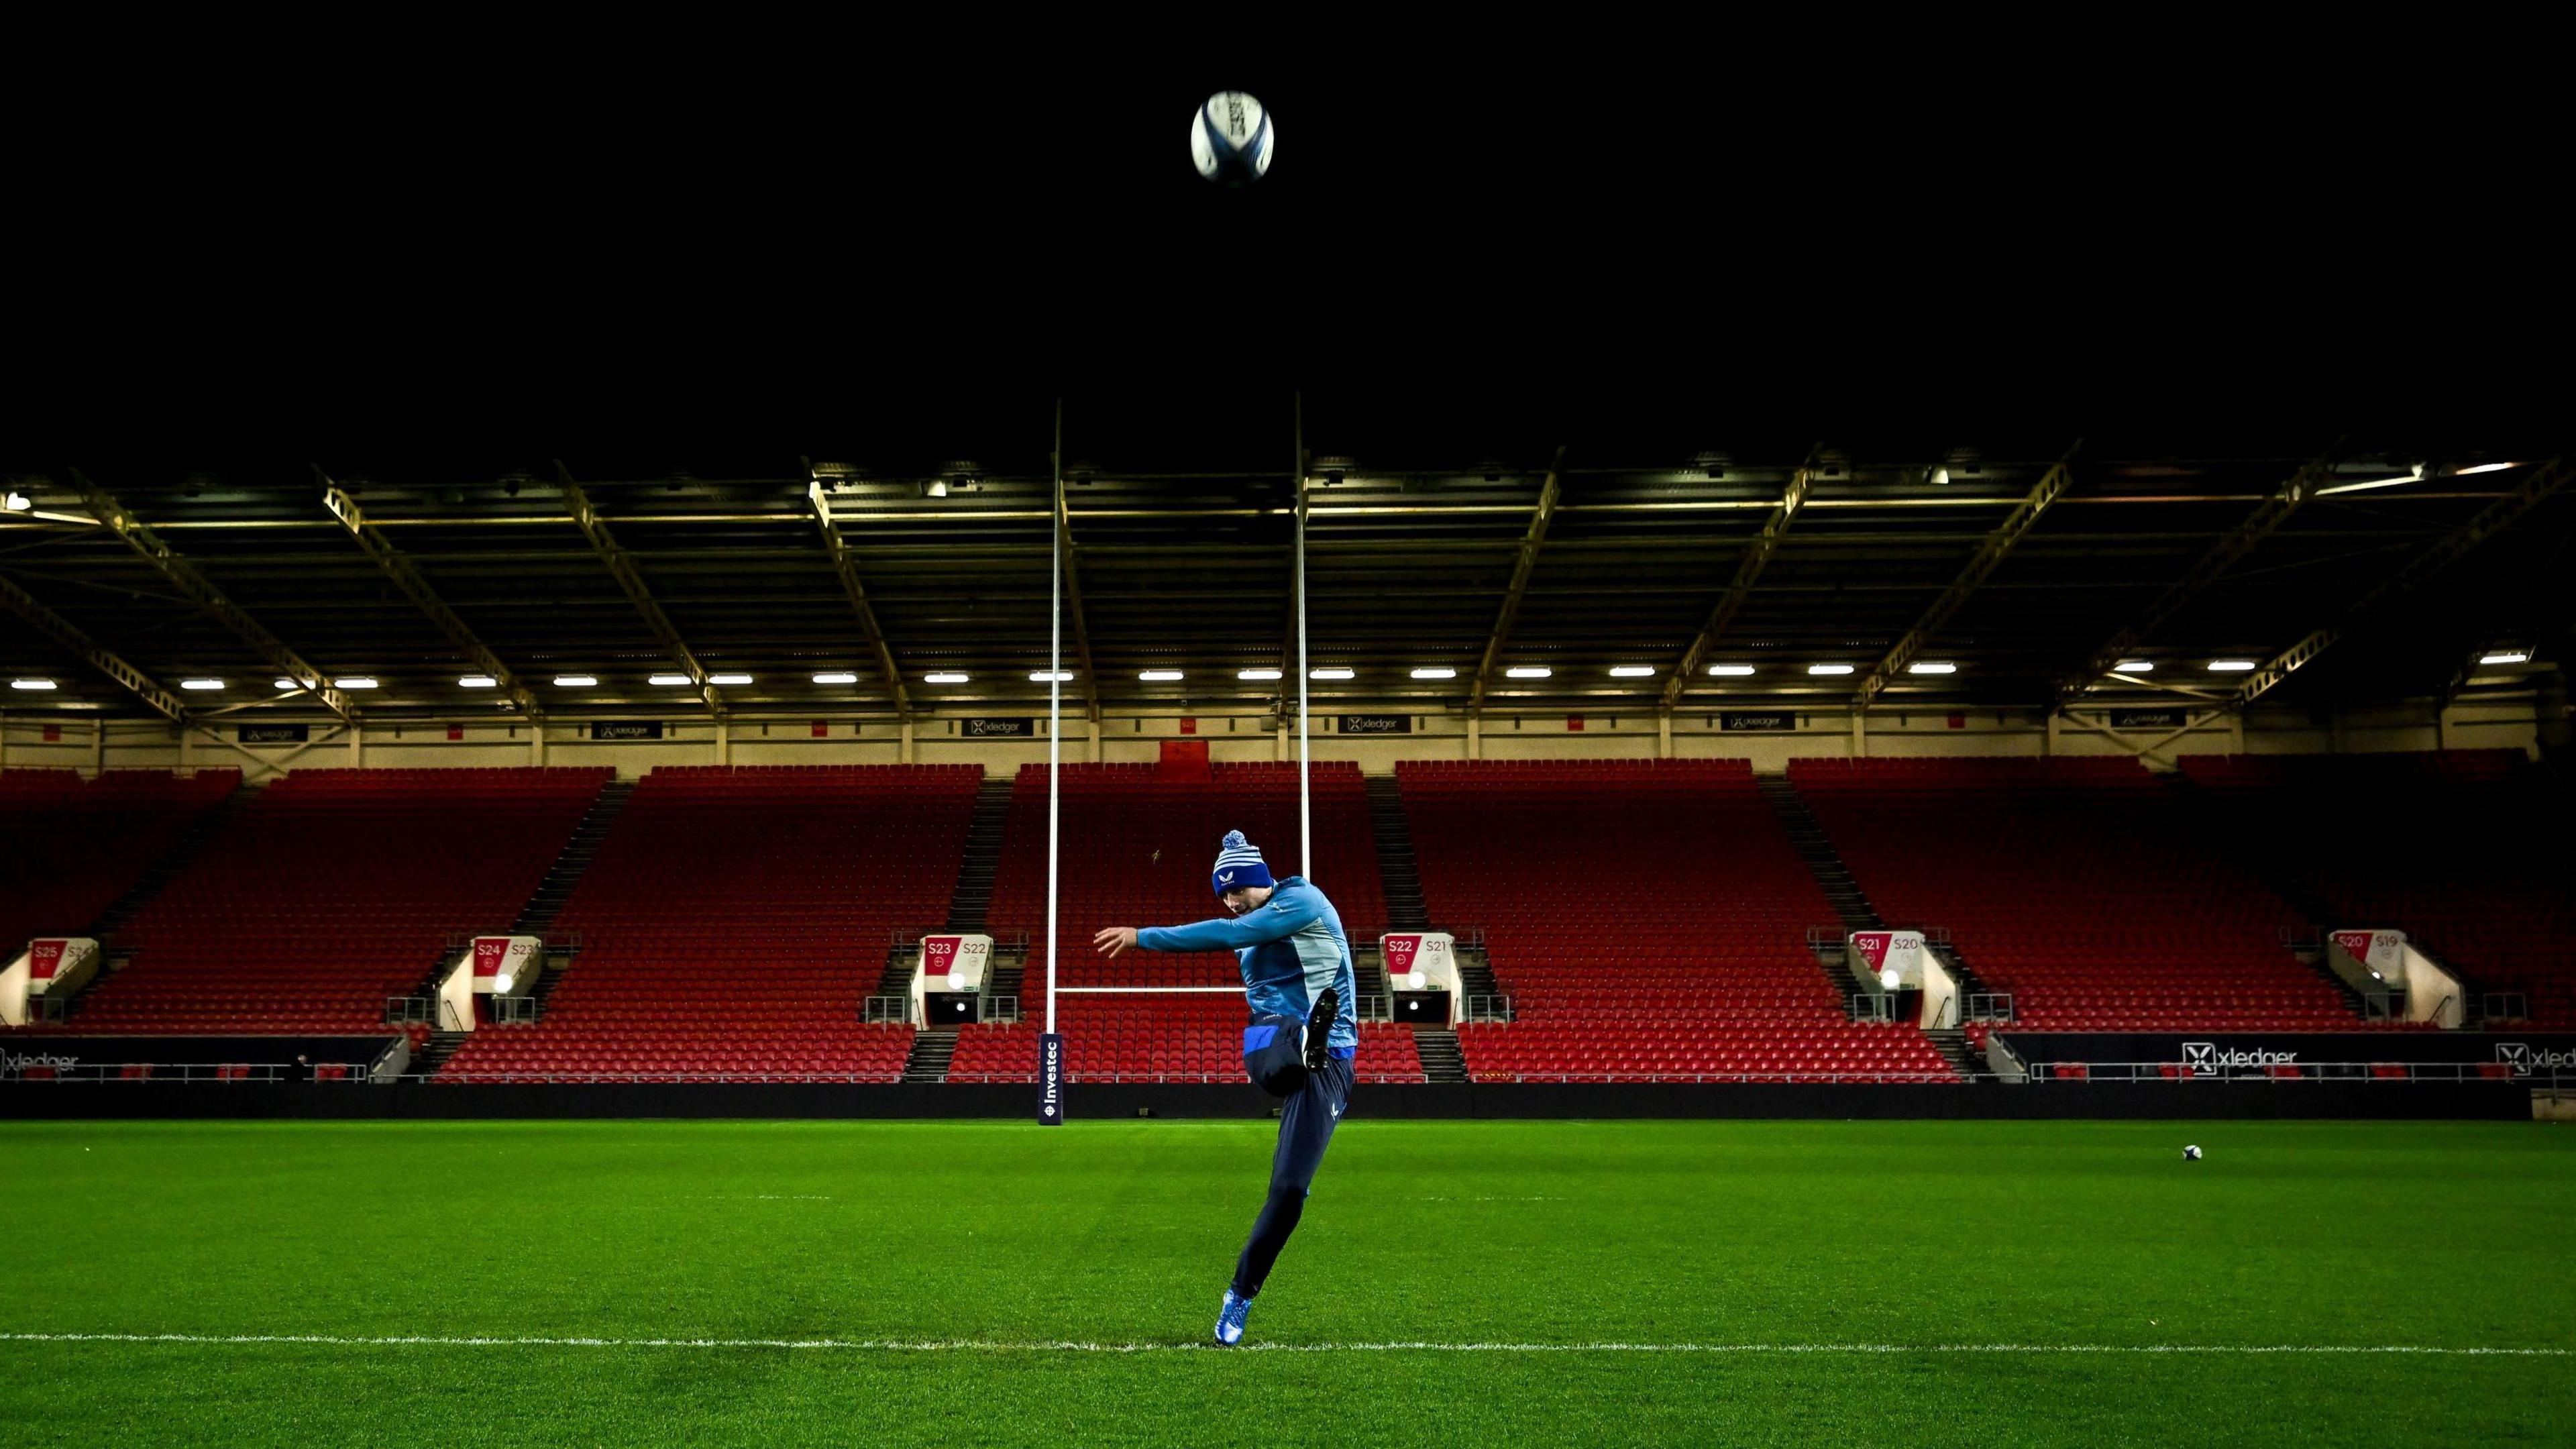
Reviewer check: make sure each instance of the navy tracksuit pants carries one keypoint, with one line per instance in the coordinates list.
(1306, 1121)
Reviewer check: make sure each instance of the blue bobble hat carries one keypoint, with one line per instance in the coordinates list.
(1239, 863)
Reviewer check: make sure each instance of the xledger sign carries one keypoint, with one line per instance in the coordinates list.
(1377, 724)
(2216, 1055)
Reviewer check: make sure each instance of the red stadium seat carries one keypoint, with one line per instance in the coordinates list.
(2461, 849)
(734, 923)
(330, 891)
(2078, 885)
(1648, 919)
(99, 837)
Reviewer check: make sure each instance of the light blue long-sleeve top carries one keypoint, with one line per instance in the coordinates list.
(1290, 949)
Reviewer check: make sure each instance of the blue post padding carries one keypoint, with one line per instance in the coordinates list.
(1051, 1080)
(1257, 1037)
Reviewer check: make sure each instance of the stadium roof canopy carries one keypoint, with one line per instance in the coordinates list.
(2030, 568)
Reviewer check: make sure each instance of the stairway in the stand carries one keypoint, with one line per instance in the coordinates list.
(190, 844)
(1952, 1044)
(974, 894)
(433, 1053)
(1853, 909)
(537, 915)
(1813, 847)
(183, 850)
(2321, 917)
(1400, 876)
(1843, 893)
(1441, 1059)
(576, 856)
(931, 1052)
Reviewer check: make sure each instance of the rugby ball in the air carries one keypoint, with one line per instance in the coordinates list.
(1232, 138)
(2191, 1154)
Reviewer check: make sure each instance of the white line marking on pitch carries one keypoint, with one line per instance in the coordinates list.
(977, 1345)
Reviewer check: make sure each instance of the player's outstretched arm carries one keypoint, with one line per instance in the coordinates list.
(1283, 917)
(1115, 942)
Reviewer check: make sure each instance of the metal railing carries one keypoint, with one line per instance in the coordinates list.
(1485, 1008)
(2383, 1005)
(48, 1008)
(1373, 1008)
(886, 1010)
(410, 1010)
(80, 1072)
(513, 1010)
(1873, 1006)
(1987, 1006)
(1002, 1010)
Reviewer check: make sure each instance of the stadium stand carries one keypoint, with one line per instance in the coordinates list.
(734, 922)
(1648, 919)
(331, 891)
(2466, 851)
(2080, 886)
(74, 846)
(1138, 841)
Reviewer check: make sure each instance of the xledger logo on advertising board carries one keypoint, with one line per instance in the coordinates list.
(20, 1061)
(2204, 1057)
(2525, 1058)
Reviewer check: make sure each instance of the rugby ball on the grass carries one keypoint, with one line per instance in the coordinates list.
(2191, 1154)
(1232, 138)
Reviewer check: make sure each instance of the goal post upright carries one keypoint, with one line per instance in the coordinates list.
(1305, 746)
(1051, 1045)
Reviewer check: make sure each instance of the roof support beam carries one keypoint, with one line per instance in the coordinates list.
(64, 632)
(1527, 564)
(621, 567)
(1990, 554)
(847, 568)
(2223, 555)
(1073, 606)
(1756, 555)
(398, 567)
(114, 516)
(2456, 545)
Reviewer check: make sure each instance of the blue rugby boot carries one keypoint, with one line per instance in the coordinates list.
(1229, 1319)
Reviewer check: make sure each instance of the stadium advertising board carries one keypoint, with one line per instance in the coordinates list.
(82, 1057)
(626, 729)
(991, 728)
(2146, 719)
(272, 734)
(1376, 724)
(2214, 1055)
(1757, 720)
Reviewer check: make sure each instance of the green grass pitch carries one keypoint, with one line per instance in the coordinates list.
(1774, 1283)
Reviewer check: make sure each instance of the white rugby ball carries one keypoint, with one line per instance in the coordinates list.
(2191, 1154)
(1232, 138)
